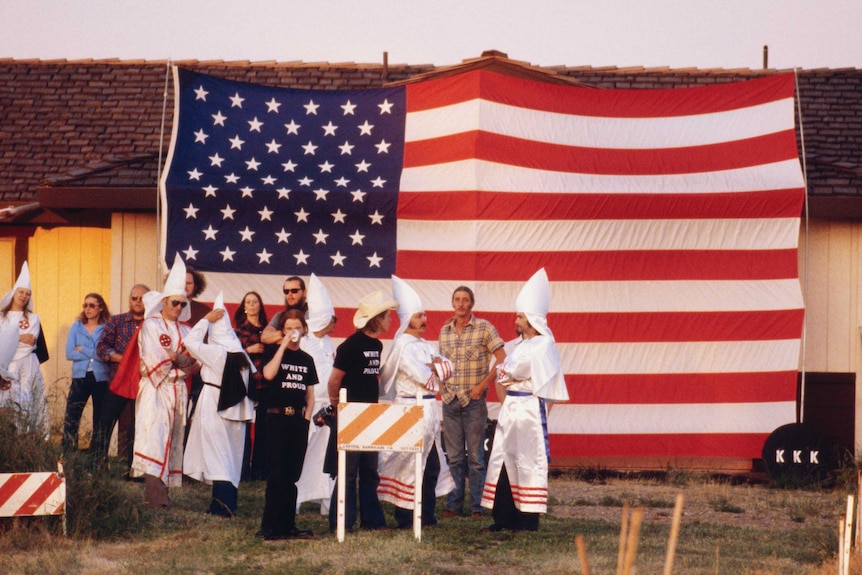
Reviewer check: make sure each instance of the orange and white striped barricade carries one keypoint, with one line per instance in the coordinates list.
(32, 494)
(379, 427)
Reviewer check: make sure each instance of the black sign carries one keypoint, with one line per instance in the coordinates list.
(795, 451)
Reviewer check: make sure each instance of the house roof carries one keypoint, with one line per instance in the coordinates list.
(91, 132)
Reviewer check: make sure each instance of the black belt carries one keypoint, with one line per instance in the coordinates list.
(519, 393)
(289, 411)
(432, 396)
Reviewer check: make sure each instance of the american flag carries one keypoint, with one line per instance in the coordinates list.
(667, 221)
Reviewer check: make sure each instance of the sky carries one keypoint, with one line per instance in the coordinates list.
(651, 33)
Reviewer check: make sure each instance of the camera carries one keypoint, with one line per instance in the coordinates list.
(323, 416)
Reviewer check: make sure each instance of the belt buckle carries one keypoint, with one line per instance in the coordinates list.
(289, 410)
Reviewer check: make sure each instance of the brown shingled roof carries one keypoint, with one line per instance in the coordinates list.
(97, 124)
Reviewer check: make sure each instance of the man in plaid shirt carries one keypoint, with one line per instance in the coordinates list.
(469, 343)
(116, 336)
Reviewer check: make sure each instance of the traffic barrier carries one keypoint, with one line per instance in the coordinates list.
(379, 427)
(33, 494)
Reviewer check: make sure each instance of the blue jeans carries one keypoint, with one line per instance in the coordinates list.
(464, 436)
(80, 391)
(361, 466)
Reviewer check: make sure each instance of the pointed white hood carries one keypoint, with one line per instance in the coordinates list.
(534, 301)
(408, 300)
(175, 285)
(221, 333)
(23, 281)
(320, 308)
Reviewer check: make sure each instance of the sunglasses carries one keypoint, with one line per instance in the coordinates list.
(138, 298)
(178, 303)
(90, 305)
(291, 290)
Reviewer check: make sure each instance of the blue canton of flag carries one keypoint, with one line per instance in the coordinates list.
(284, 181)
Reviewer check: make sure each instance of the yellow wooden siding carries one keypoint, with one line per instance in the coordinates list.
(834, 274)
(65, 264)
(8, 273)
(832, 312)
(134, 257)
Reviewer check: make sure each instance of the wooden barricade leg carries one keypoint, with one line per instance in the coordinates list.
(674, 535)
(582, 554)
(624, 532)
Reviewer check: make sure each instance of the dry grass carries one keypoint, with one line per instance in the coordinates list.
(727, 527)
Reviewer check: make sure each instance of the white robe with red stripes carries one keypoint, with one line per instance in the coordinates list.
(160, 409)
(406, 371)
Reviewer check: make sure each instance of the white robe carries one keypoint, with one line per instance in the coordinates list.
(405, 371)
(533, 368)
(27, 394)
(160, 408)
(216, 440)
(314, 484)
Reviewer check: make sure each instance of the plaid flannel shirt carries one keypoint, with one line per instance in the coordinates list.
(116, 336)
(471, 353)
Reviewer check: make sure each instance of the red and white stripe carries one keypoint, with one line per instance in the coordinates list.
(668, 223)
(26, 494)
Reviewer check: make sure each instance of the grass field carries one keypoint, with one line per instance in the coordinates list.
(728, 526)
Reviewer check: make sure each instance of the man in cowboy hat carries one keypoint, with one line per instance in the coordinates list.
(516, 484)
(357, 369)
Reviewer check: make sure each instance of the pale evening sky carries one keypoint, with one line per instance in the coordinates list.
(676, 33)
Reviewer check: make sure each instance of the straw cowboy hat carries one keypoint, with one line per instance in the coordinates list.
(372, 305)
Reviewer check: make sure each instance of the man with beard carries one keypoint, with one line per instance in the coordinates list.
(294, 298)
(516, 484)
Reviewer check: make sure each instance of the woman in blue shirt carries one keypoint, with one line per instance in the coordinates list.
(89, 373)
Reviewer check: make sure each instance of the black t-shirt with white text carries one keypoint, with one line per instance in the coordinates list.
(358, 357)
(289, 385)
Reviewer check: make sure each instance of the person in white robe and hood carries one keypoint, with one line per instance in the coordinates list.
(214, 449)
(160, 408)
(516, 484)
(315, 485)
(22, 349)
(414, 366)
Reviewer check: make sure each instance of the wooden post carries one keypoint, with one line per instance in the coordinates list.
(841, 545)
(341, 498)
(632, 541)
(624, 527)
(417, 484)
(674, 535)
(582, 554)
(858, 539)
(848, 535)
